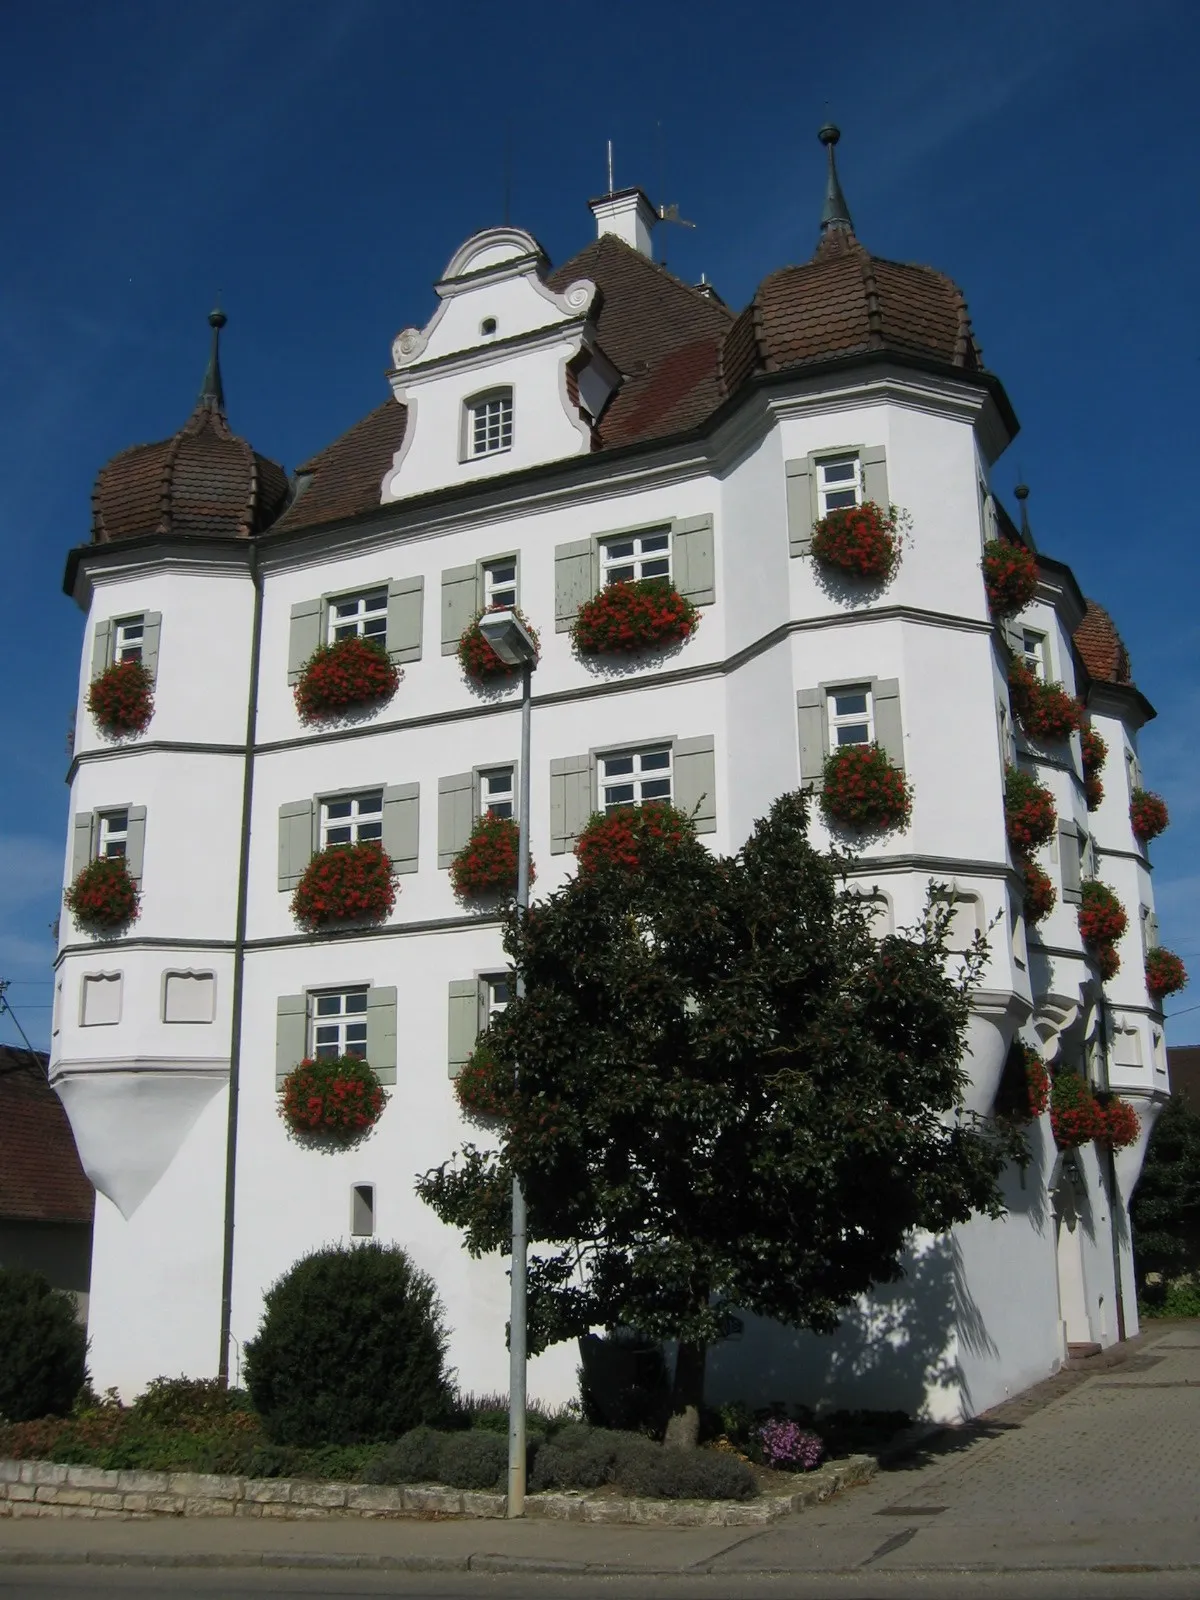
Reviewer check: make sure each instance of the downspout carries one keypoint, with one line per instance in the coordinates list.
(239, 970)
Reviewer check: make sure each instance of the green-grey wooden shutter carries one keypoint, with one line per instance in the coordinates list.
(463, 1027)
(304, 635)
(101, 648)
(291, 1033)
(135, 842)
(456, 814)
(1068, 862)
(381, 1031)
(693, 559)
(401, 824)
(83, 841)
(405, 609)
(1014, 637)
(572, 800)
(460, 602)
(801, 513)
(574, 581)
(889, 731)
(694, 784)
(874, 473)
(151, 635)
(812, 717)
(1151, 931)
(295, 841)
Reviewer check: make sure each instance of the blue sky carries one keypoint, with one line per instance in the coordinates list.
(318, 164)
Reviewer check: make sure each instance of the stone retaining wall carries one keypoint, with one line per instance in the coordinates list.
(46, 1489)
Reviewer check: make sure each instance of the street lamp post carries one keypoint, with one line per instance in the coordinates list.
(513, 643)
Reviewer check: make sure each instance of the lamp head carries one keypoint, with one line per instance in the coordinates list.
(509, 638)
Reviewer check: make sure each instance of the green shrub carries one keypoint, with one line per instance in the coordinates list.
(473, 1460)
(411, 1459)
(653, 1472)
(175, 1402)
(43, 1348)
(623, 1382)
(586, 1467)
(351, 1349)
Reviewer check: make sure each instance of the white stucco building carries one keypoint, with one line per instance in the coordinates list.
(536, 420)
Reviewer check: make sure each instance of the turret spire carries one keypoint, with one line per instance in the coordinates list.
(212, 392)
(1022, 493)
(835, 213)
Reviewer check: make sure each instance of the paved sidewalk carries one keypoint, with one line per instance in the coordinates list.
(1095, 1470)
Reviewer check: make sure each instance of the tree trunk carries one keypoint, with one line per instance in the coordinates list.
(687, 1396)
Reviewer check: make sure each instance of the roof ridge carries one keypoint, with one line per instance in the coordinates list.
(611, 239)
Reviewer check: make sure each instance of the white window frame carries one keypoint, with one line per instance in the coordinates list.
(345, 1024)
(112, 829)
(129, 638)
(499, 595)
(637, 779)
(489, 424)
(496, 991)
(835, 491)
(362, 615)
(850, 719)
(356, 819)
(494, 803)
(1035, 652)
(640, 555)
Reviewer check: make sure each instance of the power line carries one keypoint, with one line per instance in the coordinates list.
(7, 1010)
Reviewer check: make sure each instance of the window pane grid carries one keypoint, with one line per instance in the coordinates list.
(362, 616)
(500, 585)
(338, 1024)
(491, 424)
(1033, 652)
(498, 991)
(352, 819)
(633, 777)
(642, 555)
(851, 716)
(114, 835)
(129, 637)
(496, 797)
(839, 484)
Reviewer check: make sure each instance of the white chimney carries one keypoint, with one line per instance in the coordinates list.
(629, 215)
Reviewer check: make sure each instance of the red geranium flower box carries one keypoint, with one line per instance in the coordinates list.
(344, 676)
(628, 837)
(1102, 918)
(484, 1088)
(104, 896)
(121, 699)
(487, 863)
(345, 883)
(1165, 973)
(1044, 710)
(1040, 893)
(1075, 1115)
(1147, 814)
(477, 658)
(1094, 791)
(863, 541)
(1029, 814)
(862, 789)
(1095, 750)
(1107, 960)
(1120, 1125)
(334, 1099)
(1024, 1091)
(1010, 574)
(642, 614)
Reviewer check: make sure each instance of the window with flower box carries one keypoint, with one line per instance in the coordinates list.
(465, 797)
(490, 584)
(472, 1003)
(681, 550)
(128, 638)
(133, 637)
(390, 814)
(637, 556)
(351, 819)
(390, 612)
(859, 712)
(358, 616)
(631, 777)
(1034, 654)
(680, 771)
(352, 1018)
(115, 831)
(338, 1024)
(830, 480)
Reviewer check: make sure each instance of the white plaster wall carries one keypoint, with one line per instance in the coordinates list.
(141, 1032)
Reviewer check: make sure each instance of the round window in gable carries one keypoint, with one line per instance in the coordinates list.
(487, 327)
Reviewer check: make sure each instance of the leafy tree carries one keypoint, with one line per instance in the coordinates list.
(1166, 1205)
(43, 1348)
(731, 1095)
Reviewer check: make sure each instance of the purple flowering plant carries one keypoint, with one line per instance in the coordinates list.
(788, 1446)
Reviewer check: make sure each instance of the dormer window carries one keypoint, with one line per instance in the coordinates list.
(489, 423)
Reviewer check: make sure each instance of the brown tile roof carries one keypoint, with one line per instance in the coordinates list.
(347, 476)
(41, 1179)
(1101, 646)
(1183, 1065)
(203, 480)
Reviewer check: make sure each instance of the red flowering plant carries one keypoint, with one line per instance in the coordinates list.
(1044, 710)
(345, 883)
(1075, 1115)
(484, 1089)
(1107, 960)
(863, 541)
(1093, 791)
(641, 614)
(1010, 575)
(863, 790)
(1029, 814)
(1120, 1125)
(1165, 973)
(487, 863)
(476, 656)
(104, 896)
(1040, 893)
(121, 699)
(332, 1100)
(628, 837)
(1102, 918)
(344, 676)
(1024, 1091)
(1095, 750)
(1147, 814)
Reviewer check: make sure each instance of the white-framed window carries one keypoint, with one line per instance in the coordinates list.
(352, 818)
(1033, 653)
(500, 584)
(631, 777)
(490, 423)
(635, 556)
(358, 616)
(498, 990)
(129, 635)
(851, 718)
(112, 835)
(496, 792)
(839, 484)
(337, 1023)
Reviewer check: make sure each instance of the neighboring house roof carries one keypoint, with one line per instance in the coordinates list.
(1102, 648)
(1183, 1064)
(41, 1179)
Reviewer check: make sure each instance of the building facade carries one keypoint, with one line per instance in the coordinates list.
(547, 431)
